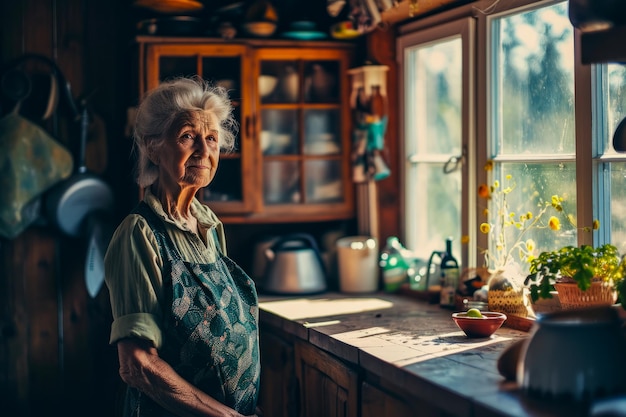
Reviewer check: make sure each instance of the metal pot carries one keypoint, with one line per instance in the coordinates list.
(294, 266)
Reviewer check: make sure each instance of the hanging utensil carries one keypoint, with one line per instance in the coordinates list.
(69, 203)
(31, 160)
(99, 236)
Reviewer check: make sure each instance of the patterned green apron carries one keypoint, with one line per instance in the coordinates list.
(210, 334)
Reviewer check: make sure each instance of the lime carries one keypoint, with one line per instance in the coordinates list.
(474, 312)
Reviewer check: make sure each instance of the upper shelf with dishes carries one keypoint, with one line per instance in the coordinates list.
(263, 19)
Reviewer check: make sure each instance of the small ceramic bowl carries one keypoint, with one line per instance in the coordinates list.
(261, 29)
(483, 326)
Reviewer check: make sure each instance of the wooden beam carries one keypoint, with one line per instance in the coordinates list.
(401, 12)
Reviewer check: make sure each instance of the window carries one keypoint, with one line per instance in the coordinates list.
(539, 115)
(610, 167)
(436, 131)
(531, 116)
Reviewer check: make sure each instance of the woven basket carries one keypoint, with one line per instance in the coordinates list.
(572, 297)
(513, 302)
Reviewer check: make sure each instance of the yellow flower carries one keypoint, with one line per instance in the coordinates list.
(556, 203)
(554, 223)
(465, 239)
(483, 191)
(508, 233)
(596, 224)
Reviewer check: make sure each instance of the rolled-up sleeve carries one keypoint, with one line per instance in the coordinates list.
(133, 277)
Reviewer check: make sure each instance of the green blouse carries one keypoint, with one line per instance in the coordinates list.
(133, 267)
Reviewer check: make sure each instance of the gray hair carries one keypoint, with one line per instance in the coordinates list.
(165, 104)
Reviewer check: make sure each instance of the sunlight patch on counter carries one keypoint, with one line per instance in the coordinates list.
(303, 308)
(402, 348)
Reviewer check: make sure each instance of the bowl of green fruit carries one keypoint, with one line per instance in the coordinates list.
(476, 323)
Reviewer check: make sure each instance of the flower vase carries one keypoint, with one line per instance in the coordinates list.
(505, 295)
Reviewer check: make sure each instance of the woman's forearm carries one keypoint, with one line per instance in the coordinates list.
(142, 368)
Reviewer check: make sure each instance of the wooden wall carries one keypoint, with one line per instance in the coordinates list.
(54, 353)
(381, 48)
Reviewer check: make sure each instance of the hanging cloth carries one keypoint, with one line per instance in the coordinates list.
(31, 161)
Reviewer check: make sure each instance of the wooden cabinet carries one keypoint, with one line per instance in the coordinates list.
(301, 380)
(328, 387)
(377, 402)
(292, 159)
(279, 387)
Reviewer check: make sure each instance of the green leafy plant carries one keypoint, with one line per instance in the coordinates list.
(582, 265)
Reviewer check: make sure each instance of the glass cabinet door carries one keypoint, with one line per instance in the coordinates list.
(231, 189)
(304, 130)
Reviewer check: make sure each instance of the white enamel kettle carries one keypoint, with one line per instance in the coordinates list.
(294, 266)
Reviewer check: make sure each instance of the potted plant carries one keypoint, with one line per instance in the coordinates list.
(581, 275)
(511, 246)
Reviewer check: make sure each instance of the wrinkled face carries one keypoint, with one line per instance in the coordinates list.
(190, 154)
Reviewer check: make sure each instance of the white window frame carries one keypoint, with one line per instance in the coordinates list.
(463, 28)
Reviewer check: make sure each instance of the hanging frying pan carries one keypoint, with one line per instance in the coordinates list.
(69, 203)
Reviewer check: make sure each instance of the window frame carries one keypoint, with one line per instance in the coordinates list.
(463, 27)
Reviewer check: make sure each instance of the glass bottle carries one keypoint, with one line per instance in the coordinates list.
(394, 266)
(449, 277)
(378, 104)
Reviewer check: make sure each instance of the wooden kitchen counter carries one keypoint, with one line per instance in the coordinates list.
(412, 346)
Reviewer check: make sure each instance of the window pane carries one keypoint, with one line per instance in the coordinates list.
(436, 211)
(533, 119)
(618, 206)
(614, 100)
(437, 69)
(616, 96)
(433, 122)
(534, 93)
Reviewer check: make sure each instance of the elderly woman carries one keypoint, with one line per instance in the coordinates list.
(185, 315)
